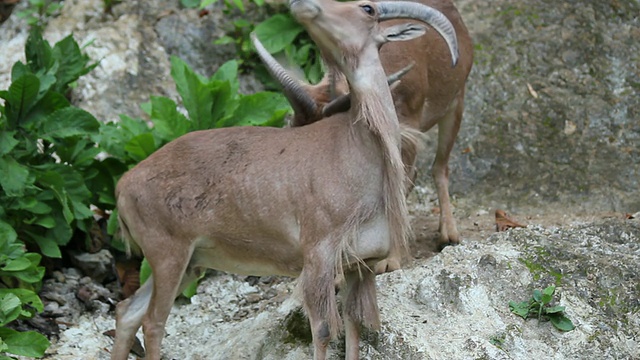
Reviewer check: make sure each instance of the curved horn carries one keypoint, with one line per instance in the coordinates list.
(388, 10)
(292, 88)
(343, 102)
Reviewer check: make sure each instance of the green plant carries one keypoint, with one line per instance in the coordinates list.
(20, 276)
(210, 103)
(38, 11)
(46, 161)
(46, 154)
(540, 306)
(280, 34)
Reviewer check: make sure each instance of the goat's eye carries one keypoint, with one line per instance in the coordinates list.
(368, 9)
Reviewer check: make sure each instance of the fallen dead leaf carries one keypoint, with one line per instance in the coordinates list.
(630, 216)
(503, 222)
(531, 91)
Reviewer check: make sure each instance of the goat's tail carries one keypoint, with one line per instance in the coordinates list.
(412, 144)
(124, 233)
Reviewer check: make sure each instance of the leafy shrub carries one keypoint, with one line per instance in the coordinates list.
(210, 103)
(46, 154)
(46, 159)
(20, 276)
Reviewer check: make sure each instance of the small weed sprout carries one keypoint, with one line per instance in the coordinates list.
(539, 306)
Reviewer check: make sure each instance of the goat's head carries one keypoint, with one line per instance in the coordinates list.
(343, 31)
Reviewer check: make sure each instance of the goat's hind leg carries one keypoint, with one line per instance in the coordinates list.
(151, 304)
(448, 128)
(129, 313)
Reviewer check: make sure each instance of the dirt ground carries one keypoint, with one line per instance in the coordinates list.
(477, 223)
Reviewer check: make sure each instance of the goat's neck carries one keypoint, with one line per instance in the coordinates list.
(373, 104)
(371, 99)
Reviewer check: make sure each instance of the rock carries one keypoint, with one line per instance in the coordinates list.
(575, 146)
(98, 266)
(451, 306)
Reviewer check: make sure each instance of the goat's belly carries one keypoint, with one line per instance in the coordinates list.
(257, 257)
(374, 242)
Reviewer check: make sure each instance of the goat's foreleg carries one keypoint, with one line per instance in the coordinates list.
(360, 309)
(448, 128)
(318, 287)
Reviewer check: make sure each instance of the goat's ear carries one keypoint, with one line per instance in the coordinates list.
(403, 32)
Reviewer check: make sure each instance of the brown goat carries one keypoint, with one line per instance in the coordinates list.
(209, 199)
(431, 93)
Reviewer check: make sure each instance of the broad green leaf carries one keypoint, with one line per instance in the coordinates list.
(23, 92)
(49, 103)
(8, 302)
(14, 177)
(112, 223)
(190, 3)
(80, 153)
(554, 309)
(561, 322)
(54, 181)
(195, 93)
(223, 104)
(168, 122)
(18, 264)
(228, 72)
(61, 234)
(38, 52)
(76, 190)
(69, 121)
(48, 247)
(205, 3)
(7, 142)
(239, 5)
(141, 146)
(26, 296)
(145, 271)
(224, 40)
(72, 63)
(31, 204)
(547, 294)
(18, 70)
(277, 32)
(133, 126)
(46, 221)
(7, 234)
(10, 308)
(537, 295)
(27, 343)
(191, 289)
(520, 308)
(262, 108)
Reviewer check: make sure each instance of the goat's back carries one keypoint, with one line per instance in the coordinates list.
(432, 78)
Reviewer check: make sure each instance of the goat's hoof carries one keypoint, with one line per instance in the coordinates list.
(387, 265)
(444, 243)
